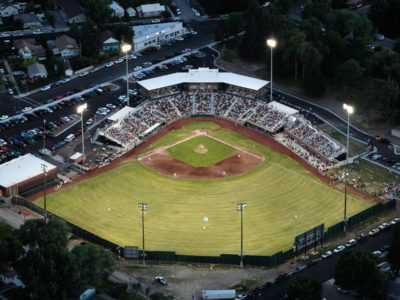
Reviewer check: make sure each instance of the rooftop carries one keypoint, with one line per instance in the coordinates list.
(146, 8)
(143, 30)
(71, 7)
(21, 169)
(204, 75)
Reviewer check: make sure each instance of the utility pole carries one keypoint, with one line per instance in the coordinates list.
(44, 169)
(241, 207)
(143, 209)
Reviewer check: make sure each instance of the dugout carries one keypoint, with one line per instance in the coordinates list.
(23, 173)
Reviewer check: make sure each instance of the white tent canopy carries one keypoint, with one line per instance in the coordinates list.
(283, 108)
(120, 115)
(203, 75)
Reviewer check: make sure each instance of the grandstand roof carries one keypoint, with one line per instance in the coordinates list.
(203, 75)
(120, 114)
(21, 169)
(283, 108)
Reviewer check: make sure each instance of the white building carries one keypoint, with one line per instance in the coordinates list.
(117, 9)
(66, 46)
(150, 10)
(151, 35)
(131, 12)
(9, 9)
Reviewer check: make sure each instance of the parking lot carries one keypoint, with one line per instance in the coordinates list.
(33, 123)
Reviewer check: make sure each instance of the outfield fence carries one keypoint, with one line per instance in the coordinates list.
(253, 260)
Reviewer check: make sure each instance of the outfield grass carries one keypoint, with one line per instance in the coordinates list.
(216, 151)
(283, 200)
(202, 125)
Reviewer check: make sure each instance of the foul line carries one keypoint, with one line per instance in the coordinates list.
(144, 156)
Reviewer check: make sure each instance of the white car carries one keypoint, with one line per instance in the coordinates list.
(3, 117)
(197, 14)
(65, 80)
(186, 50)
(339, 249)
(89, 121)
(83, 74)
(26, 109)
(155, 21)
(112, 106)
(194, 32)
(110, 64)
(122, 97)
(137, 68)
(37, 31)
(147, 64)
(10, 92)
(2, 71)
(179, 38)
(132, 56)
(4, 35)
(377, 253)
(118, 61)
(326, 254)
(45, 88)
(350, 243)
(139, 75)
(373, 232)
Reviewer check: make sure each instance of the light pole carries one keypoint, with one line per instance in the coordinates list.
(44, 169)
(349, 110)
(143, 208)
(271, 43)
(125, 48)
(44, 134)
(81, 109)
(241, 207)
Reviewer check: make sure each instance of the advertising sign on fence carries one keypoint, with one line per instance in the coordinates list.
(131, 252)
(308, 238)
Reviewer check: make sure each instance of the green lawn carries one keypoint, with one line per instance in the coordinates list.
(216, 151)
(275, 192)
(202, 125)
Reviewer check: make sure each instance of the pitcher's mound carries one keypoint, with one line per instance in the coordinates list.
(201, 149)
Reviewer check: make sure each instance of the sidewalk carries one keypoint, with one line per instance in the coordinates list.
(10, 74)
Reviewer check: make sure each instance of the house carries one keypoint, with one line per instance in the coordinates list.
(117, 9)
(150, 35)
(8, 275)
(29, 20)
(108, 40)
(354, 3)
(28, 48)
(66, 46)
(36, 71)
(150, 10)
(74, 11)
(9, 9)
(131, 12)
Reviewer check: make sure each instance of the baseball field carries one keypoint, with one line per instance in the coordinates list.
(283, 198)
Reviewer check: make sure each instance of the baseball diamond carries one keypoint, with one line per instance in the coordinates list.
(285, 195)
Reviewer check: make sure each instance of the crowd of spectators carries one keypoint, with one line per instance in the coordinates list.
(231, 89)
(204, 102)
(166, 108)
(240, 106)
(164, 92)
(183, 102)
(222, 102)
(268, 117)
(314, 138)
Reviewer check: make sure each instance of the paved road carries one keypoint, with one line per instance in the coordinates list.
(323, 270)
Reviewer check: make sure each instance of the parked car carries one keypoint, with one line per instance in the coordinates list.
(350, 243)
(137, 68)
(10, 92)
(373, 232)
(326, 254)
(45, 88)
(339, 249)
(299, 269)
(110, 64)
(161, 280)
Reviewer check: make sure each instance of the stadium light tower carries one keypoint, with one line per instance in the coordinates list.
(241, 207)
(44, 169)
(81, 109)
(143, 208)
(125, 48)
(272, 44)
(349, 110)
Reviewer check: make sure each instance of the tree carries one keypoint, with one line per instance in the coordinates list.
(90, 40)
(247, 46)
(377, 13)
(98, 11)
(50, 18)
(356, 270)
(338, 4)
(49, 272)
(124, 32)
(304, 287)
(313, 82)
(159, 296)
(10, 249)
(292, 47)
(94, 263)
(234, 23)
(36, 232)
(394, 250)
(349, 73)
